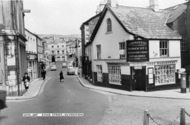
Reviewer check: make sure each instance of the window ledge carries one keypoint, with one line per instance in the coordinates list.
(109, 32)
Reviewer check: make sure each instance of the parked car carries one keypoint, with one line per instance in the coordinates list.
(70, 70)
(64, 65)
(53, 68)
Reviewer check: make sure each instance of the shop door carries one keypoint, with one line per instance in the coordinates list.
(139, 78)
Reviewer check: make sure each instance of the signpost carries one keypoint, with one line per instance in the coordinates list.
(137, 51)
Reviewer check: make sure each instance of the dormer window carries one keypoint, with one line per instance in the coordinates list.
(109, 25)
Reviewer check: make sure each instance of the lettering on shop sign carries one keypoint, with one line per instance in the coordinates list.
(137, 51)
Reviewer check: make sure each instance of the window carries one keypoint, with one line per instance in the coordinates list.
(98, 48)
(63, 51)
(164, 74)
(109, 25)
(57, 46)
(52, 46)
(164, 48)
(114, 74)
(122, 45)
(58, 52)
(122, 50)
(52, 52)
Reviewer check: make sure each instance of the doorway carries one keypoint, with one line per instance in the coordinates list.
(139, 78)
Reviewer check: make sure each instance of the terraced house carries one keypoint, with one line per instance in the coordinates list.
(132, 48)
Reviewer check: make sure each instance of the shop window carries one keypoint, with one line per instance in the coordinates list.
(114, 74)
(109, 25)
(164, 74)
(164, 49)
(98, 48)
(99, 73)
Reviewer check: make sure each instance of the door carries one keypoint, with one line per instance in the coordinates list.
(139, 78)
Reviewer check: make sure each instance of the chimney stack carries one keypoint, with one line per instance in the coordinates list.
(154, 5)
(109, 3)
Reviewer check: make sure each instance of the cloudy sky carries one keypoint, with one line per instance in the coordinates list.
(65, 16)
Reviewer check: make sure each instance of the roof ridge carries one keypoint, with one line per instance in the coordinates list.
(132, 7)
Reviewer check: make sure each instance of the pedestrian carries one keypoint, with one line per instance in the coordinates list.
(26, 80)
(43, 73)
(61, 76)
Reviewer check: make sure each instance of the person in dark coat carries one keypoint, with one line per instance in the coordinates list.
(26, 80)
(61, 76)
(43, 74)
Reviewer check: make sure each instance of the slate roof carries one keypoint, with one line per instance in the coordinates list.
(145, 22)
(176, 11)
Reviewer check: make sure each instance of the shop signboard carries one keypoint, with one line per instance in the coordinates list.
(137, 51)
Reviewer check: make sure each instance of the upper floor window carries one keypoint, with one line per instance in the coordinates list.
(58, 52)
(109, 25)
(164, 48)
(122, 50)
(122, 45)
(52, 46)
(57, 46)
(98, 48)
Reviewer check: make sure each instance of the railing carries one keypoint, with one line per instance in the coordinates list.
(148, 117)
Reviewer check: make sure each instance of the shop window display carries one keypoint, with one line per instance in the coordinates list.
(164, 74)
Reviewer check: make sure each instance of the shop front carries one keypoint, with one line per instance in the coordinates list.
(13, 63)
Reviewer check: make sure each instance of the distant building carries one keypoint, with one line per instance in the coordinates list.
(58, 50)
(132, 48)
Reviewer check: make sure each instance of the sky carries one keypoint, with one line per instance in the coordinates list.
(64, 17)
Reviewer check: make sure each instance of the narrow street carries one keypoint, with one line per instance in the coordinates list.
(65, 97)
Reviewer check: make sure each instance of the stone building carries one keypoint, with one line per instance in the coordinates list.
(12, 45)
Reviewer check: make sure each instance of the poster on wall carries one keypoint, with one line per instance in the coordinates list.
(11, 78)
(11, 61)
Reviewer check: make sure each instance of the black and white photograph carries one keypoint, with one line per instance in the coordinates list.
(94, 62)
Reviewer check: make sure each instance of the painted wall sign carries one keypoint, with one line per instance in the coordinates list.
(137, 51)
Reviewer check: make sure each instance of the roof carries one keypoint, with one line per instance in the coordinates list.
(145, 22)
(141, 22)
(176, 11)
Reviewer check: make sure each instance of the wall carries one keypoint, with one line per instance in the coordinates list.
(31, 44)
(174, 52)
(109, 41)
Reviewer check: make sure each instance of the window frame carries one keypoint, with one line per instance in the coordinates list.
(109, 25)
(164, 48)
(98, 51)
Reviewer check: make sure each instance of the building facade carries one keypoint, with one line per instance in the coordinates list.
(12, 46)
(132, 48)
(58, 50)
(31, 47)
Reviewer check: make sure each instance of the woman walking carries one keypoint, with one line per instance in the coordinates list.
(61, 76)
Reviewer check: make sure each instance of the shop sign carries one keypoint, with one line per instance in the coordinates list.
(137, 51)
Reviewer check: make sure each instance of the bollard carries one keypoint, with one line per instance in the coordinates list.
(183, 82)
(182, 117)
(146, 118)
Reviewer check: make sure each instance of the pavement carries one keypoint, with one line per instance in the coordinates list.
(35, 88)
(168, 94)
